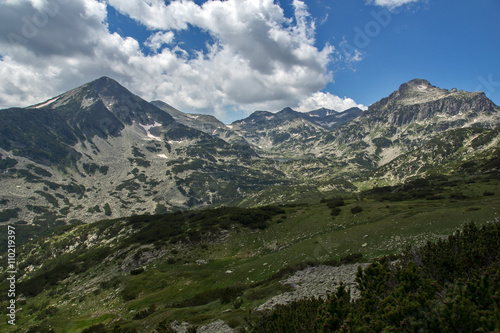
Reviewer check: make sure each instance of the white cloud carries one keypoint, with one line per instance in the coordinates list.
(257, 58)
(391, 4)
(158, 39)
(326, 100)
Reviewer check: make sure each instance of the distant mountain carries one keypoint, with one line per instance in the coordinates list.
(289, 132)
(99, 151)
(399, 124)
(284, 133)
(410, 117)
(47, 133)
(202, 122)
(330, 119)
(326, 118)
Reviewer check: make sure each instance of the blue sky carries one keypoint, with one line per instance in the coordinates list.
(229, 58)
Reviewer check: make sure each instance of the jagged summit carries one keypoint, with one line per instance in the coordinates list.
(417, 91)
(105, 101)
(287, 110)
(323, 112)
(103, 86)
(435, 100)
(107, 86)
(409, 116)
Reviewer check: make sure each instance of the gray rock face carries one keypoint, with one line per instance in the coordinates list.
(141, 257)
(407, 119)
(180, 327)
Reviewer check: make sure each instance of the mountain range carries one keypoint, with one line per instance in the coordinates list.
(99, 151)
(132, 216)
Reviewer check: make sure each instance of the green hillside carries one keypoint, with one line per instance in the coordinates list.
(143, 272)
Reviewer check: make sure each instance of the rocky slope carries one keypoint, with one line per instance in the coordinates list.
(465, 149)
(315, 282)
(289, 133)
(411, 116)
(399, 124)
(227, 264)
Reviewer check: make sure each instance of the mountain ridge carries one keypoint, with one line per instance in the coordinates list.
(102, 151)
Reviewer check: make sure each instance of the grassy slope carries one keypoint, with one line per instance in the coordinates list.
(307, 233)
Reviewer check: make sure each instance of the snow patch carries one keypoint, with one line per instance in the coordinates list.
(162, 156)
(148, 133)
(340, 115)
(46, 103)
(327, 124)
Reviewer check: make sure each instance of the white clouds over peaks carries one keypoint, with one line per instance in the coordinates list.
(327, 100)
(256, 58)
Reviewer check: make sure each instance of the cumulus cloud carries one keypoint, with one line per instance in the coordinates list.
(158, 39)
(391, 4)
(257, 57)
(326, 100)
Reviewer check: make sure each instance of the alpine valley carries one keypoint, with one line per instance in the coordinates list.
(132, 216)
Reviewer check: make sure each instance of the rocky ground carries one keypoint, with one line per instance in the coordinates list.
(318, 281)
(218, 326)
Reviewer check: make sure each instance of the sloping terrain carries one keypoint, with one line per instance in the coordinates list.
(145, 272)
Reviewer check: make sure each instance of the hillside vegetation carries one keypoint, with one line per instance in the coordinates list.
(452, 285)
(144, 272)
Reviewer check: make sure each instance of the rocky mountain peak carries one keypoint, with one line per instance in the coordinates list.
(87, 94)
(417, 91)
(287, 110)
(106, 86)
(417, 83)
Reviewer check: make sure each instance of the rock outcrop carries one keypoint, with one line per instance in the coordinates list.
(317, 282)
